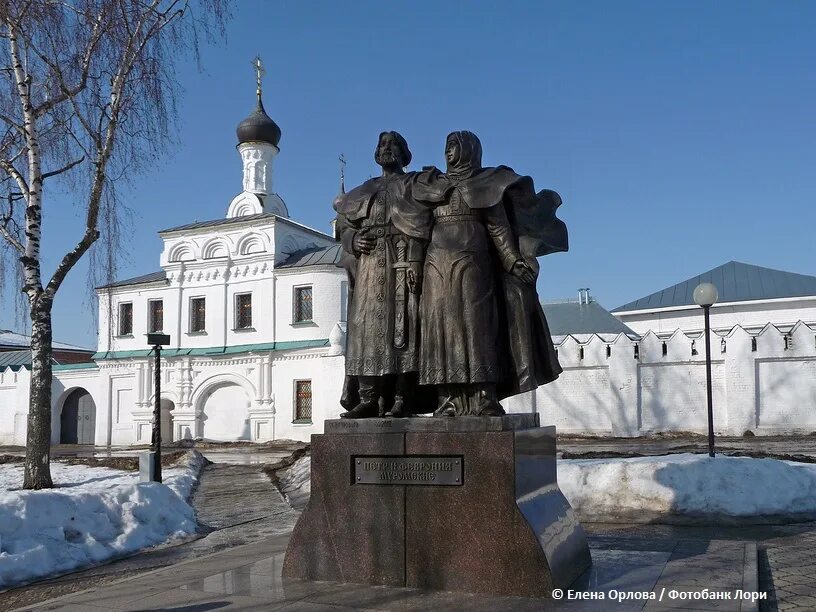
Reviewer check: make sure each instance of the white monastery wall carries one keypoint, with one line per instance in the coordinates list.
(14, 393)
(764, 383)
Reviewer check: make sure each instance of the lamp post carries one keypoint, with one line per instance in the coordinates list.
(158, 341)
(705, 295)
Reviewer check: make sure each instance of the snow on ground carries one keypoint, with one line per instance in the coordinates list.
(688, 485)
(295, 482)
(648, 488)
(93, 514)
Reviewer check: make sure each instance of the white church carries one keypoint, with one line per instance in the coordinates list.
(255, 307)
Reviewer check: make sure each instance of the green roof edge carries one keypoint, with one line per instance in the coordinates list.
(74, 366)
(217, 350)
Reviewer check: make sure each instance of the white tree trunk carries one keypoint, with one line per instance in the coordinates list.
(38, 441)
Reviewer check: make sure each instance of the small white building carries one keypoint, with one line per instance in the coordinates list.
(749, 296)
(255, 308)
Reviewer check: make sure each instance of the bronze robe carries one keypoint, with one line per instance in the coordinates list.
(480, 324)
(383, 330)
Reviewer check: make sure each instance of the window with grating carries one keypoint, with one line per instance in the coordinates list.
(243, 311)
(126, 319)
(198, 315)
(303, 401)
(156, 316)
(303, 304)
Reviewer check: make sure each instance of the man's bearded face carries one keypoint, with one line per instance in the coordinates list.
(388, 152)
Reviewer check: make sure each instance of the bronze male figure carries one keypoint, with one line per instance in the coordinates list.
(386, 232)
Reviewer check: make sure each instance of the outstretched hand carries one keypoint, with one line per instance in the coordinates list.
(521, 269)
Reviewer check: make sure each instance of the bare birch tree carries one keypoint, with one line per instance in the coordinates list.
(88, 99)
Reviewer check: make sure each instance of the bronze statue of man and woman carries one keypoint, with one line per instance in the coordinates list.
(443, 315)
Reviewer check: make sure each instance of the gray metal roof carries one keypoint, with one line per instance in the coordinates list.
(153, 277)
(574, 318)
(735, 282)
(234, 220)
(10, 340)
(217, 222)
(15, 358)
(315, 256)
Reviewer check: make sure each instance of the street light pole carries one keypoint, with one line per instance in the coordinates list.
(157, 340)
(156, 437)
(705, 295)
(706, 313)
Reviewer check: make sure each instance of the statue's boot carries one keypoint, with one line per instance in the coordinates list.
(369, 405)
(489, 403)
(402, 407)
(363, 410)
(399, 410)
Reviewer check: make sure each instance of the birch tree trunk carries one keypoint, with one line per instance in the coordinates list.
(38, 442)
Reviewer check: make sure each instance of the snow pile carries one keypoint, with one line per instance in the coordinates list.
(643, 489)
(93, 514)
(295, 482)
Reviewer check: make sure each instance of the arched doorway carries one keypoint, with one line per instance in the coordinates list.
(167, 420)
(78, 418)
(225, 413)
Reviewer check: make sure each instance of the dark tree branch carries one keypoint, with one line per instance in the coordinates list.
(65, 168)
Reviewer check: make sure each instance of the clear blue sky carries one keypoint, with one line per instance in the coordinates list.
(680, 135)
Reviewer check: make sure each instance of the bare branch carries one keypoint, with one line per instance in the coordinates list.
(69, 261)
(65, 168)
(10, 238)
(9, 168)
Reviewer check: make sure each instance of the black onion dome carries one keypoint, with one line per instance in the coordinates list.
(258, 127)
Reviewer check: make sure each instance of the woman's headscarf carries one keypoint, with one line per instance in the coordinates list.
(470, 155)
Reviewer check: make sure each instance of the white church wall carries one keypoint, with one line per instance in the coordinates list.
(218, 265)
(326, 375)
(245, 280)
(123, 394)
(782, 312)
(327, 285)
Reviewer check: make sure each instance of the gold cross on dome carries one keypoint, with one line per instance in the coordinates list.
(259, 72)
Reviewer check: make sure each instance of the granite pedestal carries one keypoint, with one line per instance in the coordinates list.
(457, 504)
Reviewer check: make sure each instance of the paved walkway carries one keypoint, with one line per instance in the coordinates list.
(249, 578)
(787, 571)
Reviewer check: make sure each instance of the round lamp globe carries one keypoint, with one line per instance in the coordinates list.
(705, 294)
